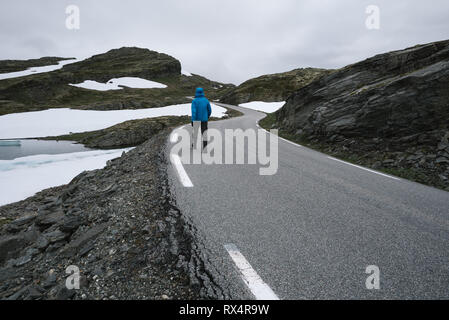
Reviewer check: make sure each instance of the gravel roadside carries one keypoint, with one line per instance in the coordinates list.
(118, 225)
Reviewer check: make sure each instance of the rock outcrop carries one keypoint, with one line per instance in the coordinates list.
(272, 87)
(126, 134)
(393, 105)
(125, 62)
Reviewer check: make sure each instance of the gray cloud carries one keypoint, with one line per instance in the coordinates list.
(229, 41)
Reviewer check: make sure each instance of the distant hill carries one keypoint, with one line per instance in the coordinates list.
(7, 66)
(272, 87)
(52, 89)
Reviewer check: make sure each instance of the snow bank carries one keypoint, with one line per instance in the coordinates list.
(36, 70)
(267, 107)
(116, 83)
(55, 122)
(23, 177)
(186, 73)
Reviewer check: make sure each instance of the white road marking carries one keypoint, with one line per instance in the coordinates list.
(174, 137)
(258, 287)
(177, 163)
(182, 174)
(295, 144)
(366, 169)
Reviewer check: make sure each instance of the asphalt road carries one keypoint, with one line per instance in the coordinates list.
(311, 230)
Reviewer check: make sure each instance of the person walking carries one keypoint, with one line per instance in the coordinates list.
(201, 111)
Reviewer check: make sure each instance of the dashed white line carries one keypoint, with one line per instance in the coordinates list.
(182, 174)
(366, 169)
(177, 163)
(258, 287)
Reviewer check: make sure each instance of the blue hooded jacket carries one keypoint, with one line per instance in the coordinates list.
(201, 109)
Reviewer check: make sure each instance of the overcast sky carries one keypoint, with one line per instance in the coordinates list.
(227, 40)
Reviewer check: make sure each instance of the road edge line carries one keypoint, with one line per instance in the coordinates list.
(363, 168)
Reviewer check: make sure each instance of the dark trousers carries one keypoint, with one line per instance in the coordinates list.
(203, 132)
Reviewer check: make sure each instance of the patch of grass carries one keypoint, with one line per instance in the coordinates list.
(4, 221)
(268, 122)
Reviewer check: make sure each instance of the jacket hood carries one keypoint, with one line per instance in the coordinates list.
(199, 93)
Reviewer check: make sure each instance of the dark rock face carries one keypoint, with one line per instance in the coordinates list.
(393, 102)
(272, 87)
(125, 62)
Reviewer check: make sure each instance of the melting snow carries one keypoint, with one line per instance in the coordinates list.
(116, 83)
(267, 107)
(55, 122)
(186, 73)
(23, 177)
(36, 70)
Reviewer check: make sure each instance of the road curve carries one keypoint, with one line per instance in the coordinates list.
(311, 230)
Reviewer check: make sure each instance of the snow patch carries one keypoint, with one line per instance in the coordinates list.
(267, 107)
(36, 70)
(55, 122)
(116, 83)
(186, 73)
(23, 177)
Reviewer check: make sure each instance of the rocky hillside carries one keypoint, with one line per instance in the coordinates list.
(124, 62)
(272, 87)
(7, 66)
(126, 134)
(390, 112)
(52, 89)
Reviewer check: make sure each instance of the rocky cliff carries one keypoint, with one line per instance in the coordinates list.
(272, 87)
(124, 62)
(391, 109)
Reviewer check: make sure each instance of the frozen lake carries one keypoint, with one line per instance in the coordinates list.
(10, 151)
